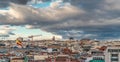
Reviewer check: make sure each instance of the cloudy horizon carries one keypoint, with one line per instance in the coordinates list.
(95, 19)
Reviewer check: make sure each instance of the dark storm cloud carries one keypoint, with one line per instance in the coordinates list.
(88, 4)
(19, 1)
(4, 3)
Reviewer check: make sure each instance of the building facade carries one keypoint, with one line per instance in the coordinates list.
(112, 54)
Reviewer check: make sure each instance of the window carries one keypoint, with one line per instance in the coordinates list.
(114, 59)
(113, 50)
(114, 55)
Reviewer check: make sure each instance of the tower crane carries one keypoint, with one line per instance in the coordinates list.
(32, 37)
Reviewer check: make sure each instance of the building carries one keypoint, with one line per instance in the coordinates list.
(112, 54)
(97, 56)
(17, 59)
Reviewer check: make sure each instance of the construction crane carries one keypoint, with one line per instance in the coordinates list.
(32, 38)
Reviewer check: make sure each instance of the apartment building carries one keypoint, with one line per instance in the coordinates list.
(112, 54)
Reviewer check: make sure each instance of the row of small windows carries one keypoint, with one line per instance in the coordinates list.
(96, 53)
(113, 50)
(114, 55)
(97, 58)
(114, 59)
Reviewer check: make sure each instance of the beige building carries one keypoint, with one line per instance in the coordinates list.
(17, 60)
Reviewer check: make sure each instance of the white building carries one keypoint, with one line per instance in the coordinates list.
(97, 54)
(112, 54)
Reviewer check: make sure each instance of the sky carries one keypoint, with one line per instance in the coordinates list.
(94, 19)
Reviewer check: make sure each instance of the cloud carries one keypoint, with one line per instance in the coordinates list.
(6, 30)
(95, 17)
(19, 1)
(4, 3)
(29, 26)
(20, 14)
(112, 5)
